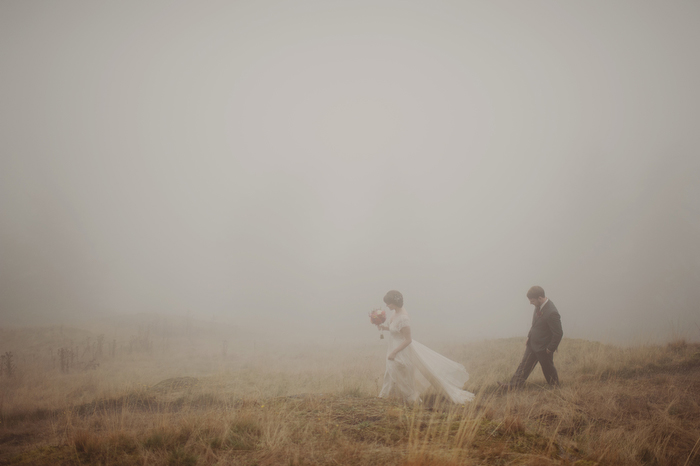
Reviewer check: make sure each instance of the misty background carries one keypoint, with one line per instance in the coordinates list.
(279, 166)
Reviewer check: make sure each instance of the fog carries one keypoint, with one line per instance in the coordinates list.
(281, 165)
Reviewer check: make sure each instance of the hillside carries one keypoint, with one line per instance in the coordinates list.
(178, 400)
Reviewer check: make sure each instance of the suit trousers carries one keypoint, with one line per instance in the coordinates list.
(530, 360)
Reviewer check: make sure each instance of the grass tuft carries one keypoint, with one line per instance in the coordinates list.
(180, 457)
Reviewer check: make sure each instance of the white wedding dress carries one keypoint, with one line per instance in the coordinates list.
(416, 368)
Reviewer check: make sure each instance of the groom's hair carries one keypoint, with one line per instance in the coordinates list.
(394, 297)
(535, 292)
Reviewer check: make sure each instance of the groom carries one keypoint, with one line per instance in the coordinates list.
(542, 341)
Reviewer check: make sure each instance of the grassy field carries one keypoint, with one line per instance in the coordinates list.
(161, 396)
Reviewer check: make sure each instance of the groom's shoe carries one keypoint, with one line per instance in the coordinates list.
(504, 387)
(508, 387)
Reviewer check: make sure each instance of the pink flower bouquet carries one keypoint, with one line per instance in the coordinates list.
(377, 316)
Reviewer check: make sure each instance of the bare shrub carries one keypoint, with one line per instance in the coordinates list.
(7, 364)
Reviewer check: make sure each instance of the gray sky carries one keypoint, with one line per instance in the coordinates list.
(293, 161)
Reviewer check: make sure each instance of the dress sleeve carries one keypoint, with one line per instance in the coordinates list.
(402, 322)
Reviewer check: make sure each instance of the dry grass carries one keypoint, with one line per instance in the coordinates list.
(192, 405)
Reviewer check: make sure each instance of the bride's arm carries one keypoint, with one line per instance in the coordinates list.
(382, 327)
(406, 333)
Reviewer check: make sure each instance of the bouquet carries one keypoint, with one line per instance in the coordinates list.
(378, 316)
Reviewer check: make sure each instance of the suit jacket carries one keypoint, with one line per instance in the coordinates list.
(546, 331)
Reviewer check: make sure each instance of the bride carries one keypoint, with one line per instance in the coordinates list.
(412, 368)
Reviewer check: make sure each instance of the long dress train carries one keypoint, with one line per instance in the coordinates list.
(416, 368)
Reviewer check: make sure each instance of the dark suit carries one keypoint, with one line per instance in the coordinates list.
(545, 334)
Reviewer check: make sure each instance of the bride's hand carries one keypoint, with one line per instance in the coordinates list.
(391, 357)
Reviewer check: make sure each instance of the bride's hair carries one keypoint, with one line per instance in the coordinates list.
(394, 297)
